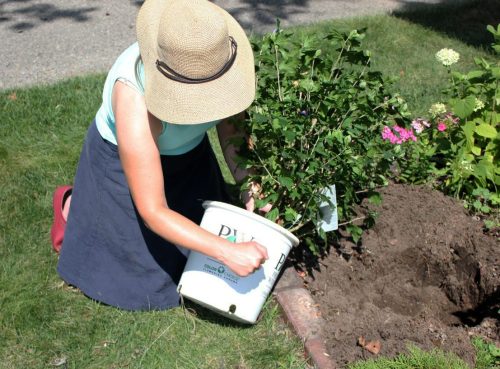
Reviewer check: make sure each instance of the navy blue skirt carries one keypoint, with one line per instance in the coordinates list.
(108, 252)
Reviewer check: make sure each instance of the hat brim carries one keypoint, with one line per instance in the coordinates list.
(182, 103)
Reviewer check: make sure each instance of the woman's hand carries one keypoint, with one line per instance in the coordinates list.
(244, 258)
(248, 198)
(228, 130)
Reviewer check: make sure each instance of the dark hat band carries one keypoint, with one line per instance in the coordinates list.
(175, 76)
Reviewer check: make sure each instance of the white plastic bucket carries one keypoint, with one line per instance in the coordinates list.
(213, 285)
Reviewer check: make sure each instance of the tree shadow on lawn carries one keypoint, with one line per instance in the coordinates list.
(463, 20)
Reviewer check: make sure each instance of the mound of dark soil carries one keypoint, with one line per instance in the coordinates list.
(426, 275)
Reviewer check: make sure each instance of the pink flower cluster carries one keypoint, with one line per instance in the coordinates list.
(441, 127)
(448, 119)
(397, 135)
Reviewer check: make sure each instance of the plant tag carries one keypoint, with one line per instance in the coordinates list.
(328, 212)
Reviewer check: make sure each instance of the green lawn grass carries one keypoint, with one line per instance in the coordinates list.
(43, 322)
(416, 359)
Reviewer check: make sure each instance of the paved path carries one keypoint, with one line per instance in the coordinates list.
(42, 41)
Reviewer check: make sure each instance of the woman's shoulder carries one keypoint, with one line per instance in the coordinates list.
(128, 68)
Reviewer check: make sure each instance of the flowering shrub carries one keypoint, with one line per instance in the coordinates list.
(316, 121)
(321, 117)
(464, 131)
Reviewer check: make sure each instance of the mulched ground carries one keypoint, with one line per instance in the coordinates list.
(426, 275)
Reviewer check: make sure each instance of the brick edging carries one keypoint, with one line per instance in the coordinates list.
(303, 315)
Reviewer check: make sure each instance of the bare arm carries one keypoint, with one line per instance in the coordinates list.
(137, 133)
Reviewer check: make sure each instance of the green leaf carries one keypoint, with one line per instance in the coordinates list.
(286, 181)
(308, 85)
(489, 223)
(468, 157)
(259, 118)
(476, 150)
(495, 71)
(355, 232)
(271, 198)
(294, 194)
(475, 74)
(375, 198)
(289, 135)
(468, 129)
(458, 76)
(273, 214)
(290, 215)
(491, 29)
(480, 191)
(485, 209)
(260, 203)
(486, 130)
(484, 169)
(464, 107)
(477, 204)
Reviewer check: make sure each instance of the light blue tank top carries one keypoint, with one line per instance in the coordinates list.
(175, 139)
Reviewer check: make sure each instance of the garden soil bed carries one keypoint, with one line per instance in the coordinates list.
(425, 275)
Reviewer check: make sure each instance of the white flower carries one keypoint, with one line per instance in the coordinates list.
(447, 57)
(437, 109)
(479, 105)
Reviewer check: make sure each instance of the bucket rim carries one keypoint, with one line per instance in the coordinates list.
(218, 204)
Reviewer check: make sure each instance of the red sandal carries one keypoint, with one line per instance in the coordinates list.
(57, 231)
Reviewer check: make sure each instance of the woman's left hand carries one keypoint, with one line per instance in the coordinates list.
(248, 198)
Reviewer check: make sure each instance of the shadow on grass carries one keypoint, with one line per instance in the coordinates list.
(464, 20)
(191, 310)
(207, 315)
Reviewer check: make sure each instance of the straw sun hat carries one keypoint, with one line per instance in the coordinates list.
(198, 62)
